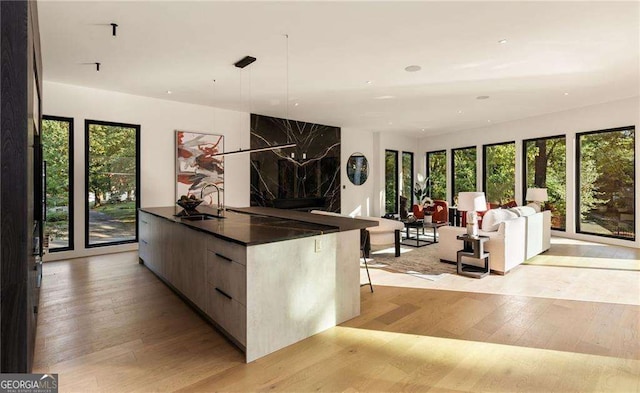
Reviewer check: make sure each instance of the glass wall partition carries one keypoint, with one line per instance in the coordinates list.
(437, 174)
(463, 168)
(407, 177)
(499, 175)
(57, 153)
(545, 166)
(606, 183)
(391, 181)
(112, 182)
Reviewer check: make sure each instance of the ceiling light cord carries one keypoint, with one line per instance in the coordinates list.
(213, 90)
(286, 84)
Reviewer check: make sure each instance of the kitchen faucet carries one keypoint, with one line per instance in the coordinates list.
(220, 208)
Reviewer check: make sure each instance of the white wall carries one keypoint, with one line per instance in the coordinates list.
(158, 119)
(597, 117)
(357, 199)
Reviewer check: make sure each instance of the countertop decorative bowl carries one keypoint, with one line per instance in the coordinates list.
(189, 205)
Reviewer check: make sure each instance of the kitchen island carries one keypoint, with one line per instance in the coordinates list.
(266, 278)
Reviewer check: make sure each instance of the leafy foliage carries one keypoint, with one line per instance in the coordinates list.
(500, 170)
(437, 164)
(421, 191)
(391, 181)
(607, 170)
(55, 142)
(112, 162)
(464, 170)
(407, 174)
(546, 168)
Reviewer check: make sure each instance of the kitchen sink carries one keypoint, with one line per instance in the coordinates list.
(201, 217)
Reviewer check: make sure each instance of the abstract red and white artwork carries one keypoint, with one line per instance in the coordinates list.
(197, 166)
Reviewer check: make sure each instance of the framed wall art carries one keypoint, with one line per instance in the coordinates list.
(196, 165)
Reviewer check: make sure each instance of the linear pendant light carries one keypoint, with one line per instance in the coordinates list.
(242, 63)
(257, 149)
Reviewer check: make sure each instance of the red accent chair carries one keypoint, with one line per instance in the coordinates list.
(418, 212)
(439, 211)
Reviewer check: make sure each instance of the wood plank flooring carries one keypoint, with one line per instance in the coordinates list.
(108, 324)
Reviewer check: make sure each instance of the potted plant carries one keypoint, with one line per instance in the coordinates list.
(422, 198)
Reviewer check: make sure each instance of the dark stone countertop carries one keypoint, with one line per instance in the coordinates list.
(252, 226)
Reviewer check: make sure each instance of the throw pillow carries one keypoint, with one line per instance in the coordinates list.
(492, 219)
(510, 204)
(523, 211)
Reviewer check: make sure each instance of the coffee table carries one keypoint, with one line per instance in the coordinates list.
(419, 226)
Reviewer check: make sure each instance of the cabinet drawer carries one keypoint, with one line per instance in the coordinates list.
(227, 275)
(143, 250)
(228, 313)
(230, 250)
(143, 226)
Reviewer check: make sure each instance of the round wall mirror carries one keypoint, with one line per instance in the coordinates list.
(357, 169)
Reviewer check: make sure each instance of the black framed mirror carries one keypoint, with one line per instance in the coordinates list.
(357, 168)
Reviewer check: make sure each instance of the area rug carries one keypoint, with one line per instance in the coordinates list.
(421, 262)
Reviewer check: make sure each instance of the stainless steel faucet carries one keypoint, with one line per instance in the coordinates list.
(220, 208)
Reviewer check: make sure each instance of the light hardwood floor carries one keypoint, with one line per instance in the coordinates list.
(108, 324)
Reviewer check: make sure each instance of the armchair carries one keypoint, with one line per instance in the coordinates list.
(439, 211)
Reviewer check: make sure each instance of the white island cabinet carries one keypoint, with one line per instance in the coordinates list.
(262, 295)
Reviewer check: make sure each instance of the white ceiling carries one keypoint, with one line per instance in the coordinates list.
(589, 50)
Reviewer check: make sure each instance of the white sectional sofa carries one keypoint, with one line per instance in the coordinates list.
(515, 235)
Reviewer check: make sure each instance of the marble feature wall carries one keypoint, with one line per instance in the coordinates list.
(304, 177)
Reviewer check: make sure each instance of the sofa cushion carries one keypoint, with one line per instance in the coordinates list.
(523, 211)
(492, 219)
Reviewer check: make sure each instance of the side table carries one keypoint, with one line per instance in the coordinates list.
(473, 248)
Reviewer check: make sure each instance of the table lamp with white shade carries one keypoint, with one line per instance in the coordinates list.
(472, 202)
(537, 196)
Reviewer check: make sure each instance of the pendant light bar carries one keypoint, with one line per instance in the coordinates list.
(266, 148)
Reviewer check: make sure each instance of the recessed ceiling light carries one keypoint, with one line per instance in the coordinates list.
(488, 121)
(502, 41)
(296, 104)
(412, 68)
(566, 94)
(424, 129)
(390, 123)
(169, 92)
(459, 111)
(369, 82)
(384, 97)
(482, 97)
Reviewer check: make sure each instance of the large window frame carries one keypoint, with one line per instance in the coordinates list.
(87, 124)
(525, 184)
(485, 148)
(70, 204)
(579, 186)
(408, 187)
(453, 170)
(396, 181)
(428, 173)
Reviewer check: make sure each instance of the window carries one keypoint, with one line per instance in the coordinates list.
(463, 168)
(606, 183)
(391, 181)
(499, 177)
(407, 177)
(545, 167)
(437, 174)
(57, 154)
(112, 182)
